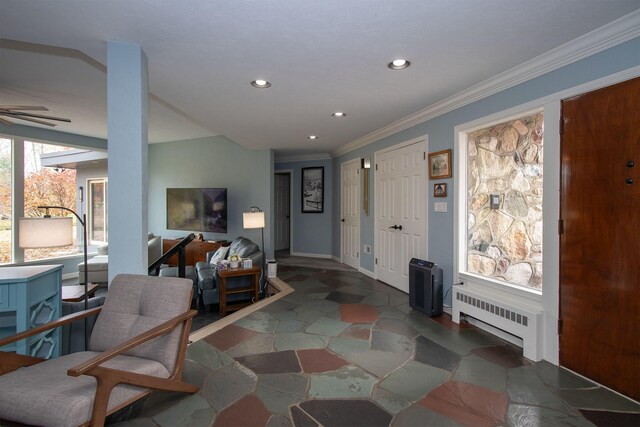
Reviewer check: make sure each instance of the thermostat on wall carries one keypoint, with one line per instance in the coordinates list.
(494, 201)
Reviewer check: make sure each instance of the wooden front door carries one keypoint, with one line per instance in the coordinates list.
(600, 241)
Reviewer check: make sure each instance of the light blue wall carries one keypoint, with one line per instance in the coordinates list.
(212, 162)
(441, 136)
(311, 231)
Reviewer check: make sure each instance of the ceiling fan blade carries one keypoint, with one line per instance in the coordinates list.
(37, 116)
(42, 122)
(6, 122)
(23, 108)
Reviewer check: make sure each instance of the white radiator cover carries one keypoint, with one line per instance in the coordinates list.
(500, 310)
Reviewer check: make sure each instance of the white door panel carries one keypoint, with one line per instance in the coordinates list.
(401, 201)
(350, 209)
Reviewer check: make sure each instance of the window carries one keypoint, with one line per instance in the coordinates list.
(5, 200)
(501, 164)
(41, 185)
(97, 215)
(52, 186)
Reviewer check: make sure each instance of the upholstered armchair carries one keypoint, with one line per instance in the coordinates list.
(208, 275)
(138, 343)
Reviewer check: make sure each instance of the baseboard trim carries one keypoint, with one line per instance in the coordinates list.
(367, 273)
(304, 254)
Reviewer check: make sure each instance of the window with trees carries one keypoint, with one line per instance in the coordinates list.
(42, 186)
(5, 200)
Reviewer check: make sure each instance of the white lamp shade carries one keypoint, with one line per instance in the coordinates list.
(45, 232)
(253, 219)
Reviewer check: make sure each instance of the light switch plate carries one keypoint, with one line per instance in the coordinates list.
(440, 207)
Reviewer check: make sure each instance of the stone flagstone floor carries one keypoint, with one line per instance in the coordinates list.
(346, 350)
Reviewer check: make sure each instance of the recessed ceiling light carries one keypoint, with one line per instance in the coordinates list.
(260, 84)
(398, 64)
(313, 137)
(339, 114)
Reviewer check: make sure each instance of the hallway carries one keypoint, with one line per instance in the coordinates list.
(346, 350)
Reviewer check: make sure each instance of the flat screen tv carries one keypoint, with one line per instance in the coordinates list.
(197, 209)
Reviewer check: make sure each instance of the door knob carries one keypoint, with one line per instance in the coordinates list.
(399, 227)
(342, 220)
(395, 227)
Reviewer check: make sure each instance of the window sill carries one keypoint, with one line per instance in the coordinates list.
(518, 293)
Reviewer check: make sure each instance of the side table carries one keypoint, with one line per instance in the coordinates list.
(75, 293)
(254, 272)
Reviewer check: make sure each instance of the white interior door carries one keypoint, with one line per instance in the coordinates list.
(282, 210)
(401, 211)
(350, 219)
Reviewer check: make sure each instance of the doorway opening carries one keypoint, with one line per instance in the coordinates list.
(282, 213)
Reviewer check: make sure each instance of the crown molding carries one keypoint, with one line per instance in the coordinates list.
(302, 157)
(609, 35)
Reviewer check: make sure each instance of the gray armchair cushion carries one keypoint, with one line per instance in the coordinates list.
(243, 247)
(136, 304)
(68, 400)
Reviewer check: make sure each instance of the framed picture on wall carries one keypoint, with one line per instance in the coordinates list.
(313, 190)
(440, 164)
(440, 190)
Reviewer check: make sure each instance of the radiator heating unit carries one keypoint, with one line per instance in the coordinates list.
(523, 320)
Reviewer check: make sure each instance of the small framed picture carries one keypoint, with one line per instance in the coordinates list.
(313, 190)
(440, 164)
(440, 190)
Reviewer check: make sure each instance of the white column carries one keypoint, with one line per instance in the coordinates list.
(127, 89)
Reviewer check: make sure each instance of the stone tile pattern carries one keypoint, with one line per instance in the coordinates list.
(343, 350)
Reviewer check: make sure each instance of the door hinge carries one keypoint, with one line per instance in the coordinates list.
(559, 326)
(424, 155)
(376, 166)
(376, 261)
(357, 254)
(561, 125)
(560, 227)
(358, 171)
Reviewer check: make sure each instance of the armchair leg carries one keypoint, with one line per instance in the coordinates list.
(101, 402)
(108, 378)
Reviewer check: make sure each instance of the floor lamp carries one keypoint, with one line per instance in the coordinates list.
(255, 219)
(48, 232)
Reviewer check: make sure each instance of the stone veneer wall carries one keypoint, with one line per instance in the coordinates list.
(506, 243)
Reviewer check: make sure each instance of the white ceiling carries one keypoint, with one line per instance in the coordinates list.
(320, 57)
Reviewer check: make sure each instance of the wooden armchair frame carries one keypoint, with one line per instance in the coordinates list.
(108, 378)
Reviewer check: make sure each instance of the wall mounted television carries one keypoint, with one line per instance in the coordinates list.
(197, 209)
